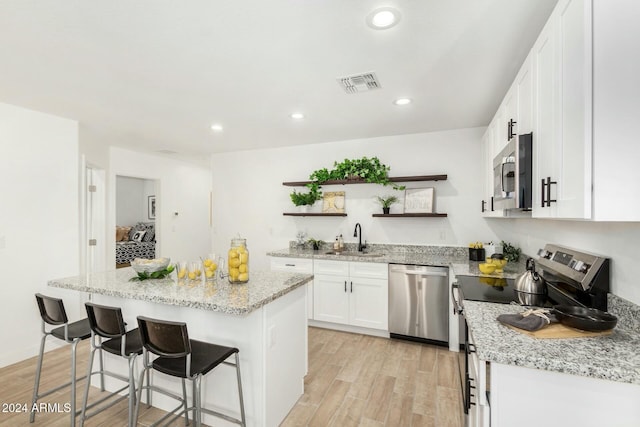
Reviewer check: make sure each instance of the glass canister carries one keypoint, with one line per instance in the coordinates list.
(238, 261)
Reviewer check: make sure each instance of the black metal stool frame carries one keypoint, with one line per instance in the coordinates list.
(53, 313)
(176, 348)
(108, 323)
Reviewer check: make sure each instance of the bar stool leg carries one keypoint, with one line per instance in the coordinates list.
(85, 399)
(101, 370)
(194, 393)
(240, 390)
(132, 390)
(184, 396)
(198, 382)
(36, 386)
(74, 346)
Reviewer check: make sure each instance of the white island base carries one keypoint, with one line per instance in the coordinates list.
(273, 356)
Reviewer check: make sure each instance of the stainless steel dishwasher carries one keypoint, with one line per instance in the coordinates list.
(419, 303)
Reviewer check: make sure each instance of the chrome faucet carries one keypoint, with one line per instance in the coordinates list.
(359, 236)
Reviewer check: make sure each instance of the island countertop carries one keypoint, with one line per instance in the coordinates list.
(220, 296)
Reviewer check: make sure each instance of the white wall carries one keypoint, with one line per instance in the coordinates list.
(617, 240)
(249, 198)
(180, 187)
(131, 200)
(39, 233)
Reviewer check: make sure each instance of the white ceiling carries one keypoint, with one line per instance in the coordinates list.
(155, 74)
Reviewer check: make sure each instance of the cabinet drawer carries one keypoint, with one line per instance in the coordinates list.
(374, 270)
(334, 268)
(294, 265)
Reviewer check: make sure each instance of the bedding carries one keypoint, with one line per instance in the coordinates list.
(138, 241)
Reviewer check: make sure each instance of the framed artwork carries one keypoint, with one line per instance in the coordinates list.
(418, 200)
(333, 202)
(151, 207)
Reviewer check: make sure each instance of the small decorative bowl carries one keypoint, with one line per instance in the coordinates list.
(487, 268)
(141, 265)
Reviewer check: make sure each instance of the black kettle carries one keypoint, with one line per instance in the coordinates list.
(530, 281)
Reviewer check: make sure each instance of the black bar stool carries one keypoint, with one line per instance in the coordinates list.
(53, 313)
(186, 359)
(107, 323)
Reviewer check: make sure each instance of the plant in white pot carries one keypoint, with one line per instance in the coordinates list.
(386, 202)
(304, 200)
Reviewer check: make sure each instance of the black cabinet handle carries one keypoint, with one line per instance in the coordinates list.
(510, 132)
(492, 204)
(549, 183)
(542, 193)
(351, 287)
(482, 208)
(345, 286)
(290, 265)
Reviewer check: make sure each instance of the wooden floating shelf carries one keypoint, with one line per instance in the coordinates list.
(312, 214)
(415, 178)
(411, 215)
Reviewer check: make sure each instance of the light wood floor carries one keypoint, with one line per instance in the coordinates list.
(358, 380)
(353, 380)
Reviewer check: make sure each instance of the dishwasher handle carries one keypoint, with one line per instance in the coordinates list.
(421, 272)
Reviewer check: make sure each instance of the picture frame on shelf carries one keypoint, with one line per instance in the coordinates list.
(419, 200)
(151, 207)
(333, 202)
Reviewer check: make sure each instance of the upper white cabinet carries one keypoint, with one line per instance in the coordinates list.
(577, 92)
(562, 113)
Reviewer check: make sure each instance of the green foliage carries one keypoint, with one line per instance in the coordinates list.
(510, 252)
(316, 244)
(387, 201)
(300, 199)
(155, 275)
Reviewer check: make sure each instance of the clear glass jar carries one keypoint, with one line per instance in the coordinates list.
(238, 261)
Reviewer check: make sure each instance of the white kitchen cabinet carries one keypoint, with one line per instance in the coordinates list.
(351, 293)
(523, 87)
(563, 113)
(297, 265)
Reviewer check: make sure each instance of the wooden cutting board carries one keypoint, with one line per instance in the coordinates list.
(558, 330)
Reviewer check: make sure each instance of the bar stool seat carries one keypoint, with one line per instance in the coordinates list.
(204, 357)
(52, 312)
(133, 344)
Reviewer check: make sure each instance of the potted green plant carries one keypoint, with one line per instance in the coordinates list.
(386, 202)
(510, 252)
(315, 244)
(303, 200)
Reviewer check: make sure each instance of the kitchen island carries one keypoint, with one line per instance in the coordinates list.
(264, 318)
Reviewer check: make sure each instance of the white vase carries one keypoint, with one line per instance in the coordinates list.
(303, 208)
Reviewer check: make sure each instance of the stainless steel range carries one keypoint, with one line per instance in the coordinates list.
(573, 277)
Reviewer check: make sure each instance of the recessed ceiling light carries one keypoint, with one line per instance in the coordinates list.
(297, 116)
(402, 101)
(216, 128)
(383, 18)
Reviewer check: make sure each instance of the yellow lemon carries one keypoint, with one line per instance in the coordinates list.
(243, 277)
(242, 268)
(233, 253)
(213, 266)
(234, 262)
(182, 273)
(192, 275)
(244, 257)
(209, 274)
(234, 272)
(207, 262)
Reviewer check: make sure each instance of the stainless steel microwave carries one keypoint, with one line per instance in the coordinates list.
(513, 175)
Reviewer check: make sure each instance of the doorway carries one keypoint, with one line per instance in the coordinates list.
(136, 208)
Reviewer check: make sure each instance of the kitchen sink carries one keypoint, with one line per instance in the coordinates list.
(355, 253)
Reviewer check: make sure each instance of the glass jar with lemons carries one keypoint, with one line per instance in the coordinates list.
(238, 261)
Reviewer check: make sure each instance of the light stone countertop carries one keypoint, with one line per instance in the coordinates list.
(220, 296)
(613, 357)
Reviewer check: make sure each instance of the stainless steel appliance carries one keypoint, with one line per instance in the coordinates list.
(513, 175)
(418, 303)
(573, 278)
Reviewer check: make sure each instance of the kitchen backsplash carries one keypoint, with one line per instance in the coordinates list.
(453, 251)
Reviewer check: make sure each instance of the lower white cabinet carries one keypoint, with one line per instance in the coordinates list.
(351, 293)
(297, 265)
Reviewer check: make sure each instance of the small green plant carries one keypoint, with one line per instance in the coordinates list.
(387, 201)
(143, 275)
(315, 244)
(301, 199)
(510, 252)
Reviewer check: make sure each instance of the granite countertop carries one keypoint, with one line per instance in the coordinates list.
(613, 357)
(439, 256)
(220, 296)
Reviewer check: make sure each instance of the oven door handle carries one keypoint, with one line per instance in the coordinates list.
(457, 309)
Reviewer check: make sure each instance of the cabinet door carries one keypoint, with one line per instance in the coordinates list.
(368, 302)
(331, 299)
(545, 137)
(509, 116)
(575, 47)
(524, 89)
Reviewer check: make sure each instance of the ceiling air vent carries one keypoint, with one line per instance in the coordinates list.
(359, 82)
